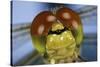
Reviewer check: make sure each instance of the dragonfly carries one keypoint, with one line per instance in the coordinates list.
(58, 35)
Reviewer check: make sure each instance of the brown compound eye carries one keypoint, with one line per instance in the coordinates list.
(42, 23)
(68, 17)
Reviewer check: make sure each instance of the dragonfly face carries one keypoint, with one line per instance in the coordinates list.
(57, 35)
(60, 43)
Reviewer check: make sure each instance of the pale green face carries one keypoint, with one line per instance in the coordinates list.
(57, 26)
(60, 46)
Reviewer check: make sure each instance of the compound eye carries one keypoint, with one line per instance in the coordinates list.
(51, 18)
(67, 17)
(42, 23)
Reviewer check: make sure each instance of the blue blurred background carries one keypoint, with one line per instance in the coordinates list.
(23, 12)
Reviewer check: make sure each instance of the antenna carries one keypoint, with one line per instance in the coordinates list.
(53, 10)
